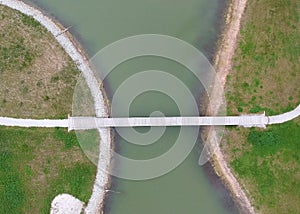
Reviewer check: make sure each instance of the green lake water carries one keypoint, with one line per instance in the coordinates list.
(189, 188)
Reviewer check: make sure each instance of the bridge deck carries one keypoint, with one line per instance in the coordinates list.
(83, 123)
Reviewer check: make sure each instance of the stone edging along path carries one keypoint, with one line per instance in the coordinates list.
(95, 203)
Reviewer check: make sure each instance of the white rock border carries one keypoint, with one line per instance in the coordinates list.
(95, 203)
(65, 203)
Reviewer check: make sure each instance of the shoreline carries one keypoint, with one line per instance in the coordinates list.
(223, 64)
(95, 204)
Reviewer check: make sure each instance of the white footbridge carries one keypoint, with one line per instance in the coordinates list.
(86, 123)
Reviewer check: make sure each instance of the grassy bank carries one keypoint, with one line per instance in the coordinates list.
(265, 77)
(37, 81)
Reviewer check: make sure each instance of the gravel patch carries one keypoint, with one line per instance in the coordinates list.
(65, 203)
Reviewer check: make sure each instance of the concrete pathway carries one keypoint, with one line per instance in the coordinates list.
(46, 123)
(285, 117)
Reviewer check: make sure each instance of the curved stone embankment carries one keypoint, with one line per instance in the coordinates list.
(102, 178)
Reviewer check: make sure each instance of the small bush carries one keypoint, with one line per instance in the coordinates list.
(29, 21)
(240, 109)
(69, 139)
(255, 109)
(261, 138)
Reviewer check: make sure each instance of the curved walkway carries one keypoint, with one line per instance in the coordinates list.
(84, 123)
(285, 117)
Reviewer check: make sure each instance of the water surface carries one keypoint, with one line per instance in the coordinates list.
(97, 23)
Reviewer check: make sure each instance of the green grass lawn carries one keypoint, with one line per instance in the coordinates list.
(271, 167)
(265, 77)
(37, 164)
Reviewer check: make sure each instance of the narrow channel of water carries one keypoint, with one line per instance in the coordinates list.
(97, 23)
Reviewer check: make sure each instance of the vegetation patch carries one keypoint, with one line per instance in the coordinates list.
(39, 76)
(264, 79)
(11, 186)
(272, 165)
(69, 139)
(38, 80)
(35, 167)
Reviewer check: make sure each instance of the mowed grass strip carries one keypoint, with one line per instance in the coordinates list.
(37, 76)
(37, 81)
(265, 77)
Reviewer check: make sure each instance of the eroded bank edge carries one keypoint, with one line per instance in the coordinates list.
(223, 64)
